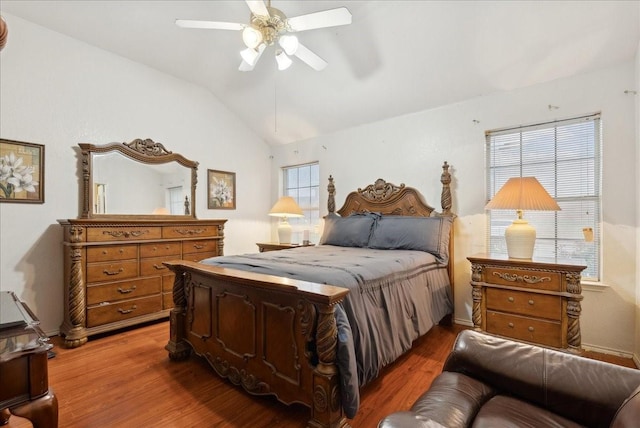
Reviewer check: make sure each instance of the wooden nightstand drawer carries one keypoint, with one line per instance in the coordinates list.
(527, 278)
(529, 329)
(523, 303)
(125, 309)
(108, 253)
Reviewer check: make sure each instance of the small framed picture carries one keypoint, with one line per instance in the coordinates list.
(221, 190)
(21, 172)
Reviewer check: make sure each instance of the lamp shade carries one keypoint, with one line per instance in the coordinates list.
(285, 207)
(522, 193)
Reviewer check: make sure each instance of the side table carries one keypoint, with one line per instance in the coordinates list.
(274, 246)
(24, 383)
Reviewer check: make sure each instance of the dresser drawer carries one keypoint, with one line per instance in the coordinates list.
(203, 246)
(540, 280)
(167, 300)
(123, 290)
(189, 231)
(543, 332)
(108, 253)
(125, 309)
(98, 272)
(154, 266)
(160, 249)
(523, 303)
(167, 282)
(196, 257)
(123, 233)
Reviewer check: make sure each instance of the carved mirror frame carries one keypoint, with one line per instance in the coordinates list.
(146, 152)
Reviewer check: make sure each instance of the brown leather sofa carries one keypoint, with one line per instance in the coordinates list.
(493, 382)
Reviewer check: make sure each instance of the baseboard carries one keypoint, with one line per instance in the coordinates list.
(609, 351)
(636, 360)
(462, 321)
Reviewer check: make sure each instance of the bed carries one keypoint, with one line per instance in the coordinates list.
(312, 324)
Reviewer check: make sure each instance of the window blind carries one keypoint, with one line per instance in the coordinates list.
(565, 157)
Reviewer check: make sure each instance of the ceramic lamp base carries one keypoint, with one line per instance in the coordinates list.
(284, 232)
(521, 238)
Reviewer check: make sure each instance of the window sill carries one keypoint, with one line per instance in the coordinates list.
(598, 287)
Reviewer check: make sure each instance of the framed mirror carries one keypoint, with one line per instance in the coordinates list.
(137, 179)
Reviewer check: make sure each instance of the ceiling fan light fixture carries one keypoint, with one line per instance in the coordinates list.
(289, 43)
(251, 56)
(283, 60)
(252, 37)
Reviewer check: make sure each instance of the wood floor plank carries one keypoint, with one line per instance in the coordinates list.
(127, 380)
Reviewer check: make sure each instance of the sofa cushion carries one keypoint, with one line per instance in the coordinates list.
(452, 401)
(629, 413)
(505, 411)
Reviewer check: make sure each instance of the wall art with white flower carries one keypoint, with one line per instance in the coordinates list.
(221, 190)
(21, 172)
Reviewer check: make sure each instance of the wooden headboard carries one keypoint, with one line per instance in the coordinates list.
(387, 198)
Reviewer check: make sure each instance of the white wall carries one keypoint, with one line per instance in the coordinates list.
(59, 92)
(637, 97)
(410, 149)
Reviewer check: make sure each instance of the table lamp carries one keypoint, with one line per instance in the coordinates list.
(285, 207)
(522, 193)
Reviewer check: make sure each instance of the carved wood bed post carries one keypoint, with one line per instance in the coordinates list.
(331, 202)
(445, 197)
(177, 347)
(327, 409)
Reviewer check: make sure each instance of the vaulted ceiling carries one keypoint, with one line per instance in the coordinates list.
(397, 57)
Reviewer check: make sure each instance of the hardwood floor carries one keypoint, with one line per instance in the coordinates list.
(127, 380)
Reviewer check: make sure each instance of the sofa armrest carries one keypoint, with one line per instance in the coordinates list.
(584, 390)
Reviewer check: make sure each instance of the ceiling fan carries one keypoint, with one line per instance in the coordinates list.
(270, 26)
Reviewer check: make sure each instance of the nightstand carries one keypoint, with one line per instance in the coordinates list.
(274, 246)
(529, 300)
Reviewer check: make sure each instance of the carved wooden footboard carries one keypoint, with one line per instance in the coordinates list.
(271, 335)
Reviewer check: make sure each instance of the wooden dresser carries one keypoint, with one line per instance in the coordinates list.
(114, 274)
(532, 301)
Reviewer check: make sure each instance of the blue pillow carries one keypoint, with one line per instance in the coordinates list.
(351, 231)
(430, 234)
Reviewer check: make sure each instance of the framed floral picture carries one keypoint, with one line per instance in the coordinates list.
(21, 172)
(221, 190)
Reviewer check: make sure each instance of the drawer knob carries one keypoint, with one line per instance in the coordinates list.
(111, 273)
(198, 247)
(531, 302)
(127, 311)
(511, 299)
(510, 325)
(531, 329)
(127, 291)
(159, 267)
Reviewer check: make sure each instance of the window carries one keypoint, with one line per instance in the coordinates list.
(565, 158)
(302, 183)
(176, 203)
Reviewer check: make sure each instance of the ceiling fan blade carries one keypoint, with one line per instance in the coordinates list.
(326, 18)
(258, 8)
(310, 58)
(209, 25)
(245, 66)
